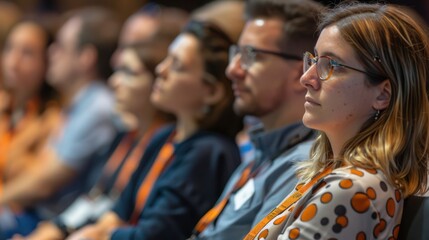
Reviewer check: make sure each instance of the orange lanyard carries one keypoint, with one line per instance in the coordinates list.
(289, 201)
(164, 157)
(132, 161)
(247, 173)
(129, 163)
(118, 156)
(213, 213)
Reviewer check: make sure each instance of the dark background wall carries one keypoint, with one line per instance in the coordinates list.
(126, 7)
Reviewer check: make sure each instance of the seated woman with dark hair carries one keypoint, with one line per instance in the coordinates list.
(132, 82)
(30, 114)
(185, 166)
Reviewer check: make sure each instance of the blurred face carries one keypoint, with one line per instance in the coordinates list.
(132, 84)
(24, 59)
(262, 86)
(132, 32)
(63, 55)
(179, 87)
(342, 103)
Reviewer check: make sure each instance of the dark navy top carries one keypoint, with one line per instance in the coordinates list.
(184, 192)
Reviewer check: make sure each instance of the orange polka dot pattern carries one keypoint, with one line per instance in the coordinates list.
(352, 203)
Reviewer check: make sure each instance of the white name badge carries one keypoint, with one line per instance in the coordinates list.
(102, 204)
(244, 194)
(78, 213)
(84, 209)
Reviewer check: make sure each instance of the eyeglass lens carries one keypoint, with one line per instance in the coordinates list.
(323, 65)
(246, 55)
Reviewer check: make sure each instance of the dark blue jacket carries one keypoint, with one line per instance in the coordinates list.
(184, 192)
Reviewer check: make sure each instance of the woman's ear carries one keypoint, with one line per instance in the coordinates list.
(88, 56)
(384, 93)
(214, 94)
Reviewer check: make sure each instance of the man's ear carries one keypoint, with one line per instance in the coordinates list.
(384, 94)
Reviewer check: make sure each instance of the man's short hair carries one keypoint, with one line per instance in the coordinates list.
(300, 18)
(99, 28)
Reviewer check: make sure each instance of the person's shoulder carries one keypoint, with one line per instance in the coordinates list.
(299, 152)
(101, 94)
(209, 144)
(163, 134)
(366, 180)
(358, 173)
(97, 99)
(207, 139)
(304, 146)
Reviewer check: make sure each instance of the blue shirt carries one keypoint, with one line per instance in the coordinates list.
(276, 153)
(185, 191)
(87, 134)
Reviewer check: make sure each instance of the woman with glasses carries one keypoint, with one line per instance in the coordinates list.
(186, 165)
(367, 95)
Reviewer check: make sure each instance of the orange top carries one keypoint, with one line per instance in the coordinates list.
(9, 132)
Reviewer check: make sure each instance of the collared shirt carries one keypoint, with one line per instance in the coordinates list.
(87, 132)
(277, 152)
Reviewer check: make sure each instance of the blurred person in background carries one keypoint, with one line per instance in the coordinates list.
(152, 17)
(230, 16)
(132, 81)
(68, 164)
(9, 15)
(33, 107)
(186, 165)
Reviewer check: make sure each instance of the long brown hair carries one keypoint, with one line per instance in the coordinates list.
(389, 43)
(214, 45)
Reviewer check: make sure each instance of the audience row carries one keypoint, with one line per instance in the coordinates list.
(265, 119)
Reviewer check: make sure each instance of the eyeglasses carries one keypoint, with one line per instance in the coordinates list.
(248, 55)
(128, 71)
(128, 75)
(325, 66)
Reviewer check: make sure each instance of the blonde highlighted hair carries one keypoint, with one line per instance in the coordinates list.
(390, 43)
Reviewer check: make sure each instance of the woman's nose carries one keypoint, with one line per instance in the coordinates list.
(310, 79)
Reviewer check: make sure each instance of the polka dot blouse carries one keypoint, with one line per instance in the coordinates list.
(349, 203)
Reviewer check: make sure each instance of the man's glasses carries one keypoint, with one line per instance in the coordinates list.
(248, 55)
(325, 66)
